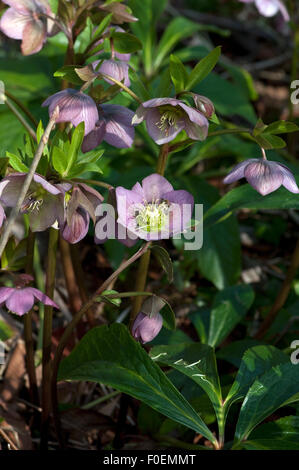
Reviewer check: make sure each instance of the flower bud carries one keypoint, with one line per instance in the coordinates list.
(146, 328)
(204, 105)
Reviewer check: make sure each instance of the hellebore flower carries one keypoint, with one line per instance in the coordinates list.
(146, 328)
(153, 210)
(264, 176)
(270, 8)
(75, 107)
(20, 299)
(26, 20)
(118, 69)
(114, 126)
(43, 202)
(166, 117)
(81, 202)
(204, 105)
(121, 13)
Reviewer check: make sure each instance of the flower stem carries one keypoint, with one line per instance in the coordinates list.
(282, 294)
(14, 213)
(69, 329)
(69, 275)
(121, 85)
(47, 337)
(23, 108)
(145, 260)
(28, 327)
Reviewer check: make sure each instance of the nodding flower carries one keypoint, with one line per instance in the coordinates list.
(270, 8)
(166, 117)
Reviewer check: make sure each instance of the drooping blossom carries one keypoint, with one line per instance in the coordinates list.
(75, 107)
(81, 202)
(270, 8)
(121, 13)
(149, 321)
(263, 175)
(166, 117)
(118, 69)
(29, 21)
(43, 202)
(204, 105)
(114, 127)
(20, 299)
(153, 210)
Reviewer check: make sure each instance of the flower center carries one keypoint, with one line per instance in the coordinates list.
(33, 201)
(151, 217)
(169, 118)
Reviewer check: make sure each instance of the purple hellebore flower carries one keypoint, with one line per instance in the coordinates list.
(270, 8)
(145, 328)
(114, 126)
(43, 202)
(81, 202)
(153, 210)
(166, 117)
(204, 105)
(20, 299)
(26, 20)
(118, 69)
(75, 107)
(264, 176)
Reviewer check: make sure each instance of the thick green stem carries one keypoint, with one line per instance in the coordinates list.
(69, 329)
(282, 294)
(28, 327)
(47, 337)
(145, 260)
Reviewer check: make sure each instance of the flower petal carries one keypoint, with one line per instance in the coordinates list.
(155, 186)
(157, 132)
(267, 7)
(289, 181)
(95, 137)
(34, 36)
(116, 69)
(2, 215)
(42, 297)
(197, 125)
(12, 23)
(238, 171)
(5, 292)
(78, 228)
(20, 301)
(44, 217)
(125, 199)
(264, 176)
(181, 208)
(156, 102)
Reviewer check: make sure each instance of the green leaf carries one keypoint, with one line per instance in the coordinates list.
(255, 362)
(59, 160)
(229, 307)
(269, 141)
(102, 26)
(281, 127)
(54, 6)
(203, 68)
(176, 30)
(196, 361)
(68, 73)
(16, 163)
(246, 197)
(125, 42)
(5, 331)
(109, 355)
(164, 259)
(168, 316)
(178, 73)
(271, 444)
(76, 142)
(274, 389)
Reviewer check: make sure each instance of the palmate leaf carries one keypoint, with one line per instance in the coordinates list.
(110, 355)
(274, 389)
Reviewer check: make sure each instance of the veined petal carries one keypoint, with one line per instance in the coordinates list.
(124, 200)
(238, 171)
(42, 297)
(45, 215)
(34, 36)
(181, 208)
(159, 133)
(78, 228)
(116, 69)
(156, 102)
(22, 6)
(197, 125)
(95, 137)
(13, 22)
(263, 176)
(5, 292)
(155, 187)
(2, 215)
(289, 181)
(20, 301)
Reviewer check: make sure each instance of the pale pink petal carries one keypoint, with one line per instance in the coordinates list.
(34, 36)
(155, 186)
(20, 301)
(12, 23)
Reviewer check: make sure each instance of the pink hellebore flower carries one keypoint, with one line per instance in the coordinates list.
(264, 176)
(166, 117)
(153, 210)
(146, 328)
(75, 107)
(43, 202)
(81, 202)
(270, 8)
(20, 299)
(114, 126)
(26, 20)
(118, 69)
